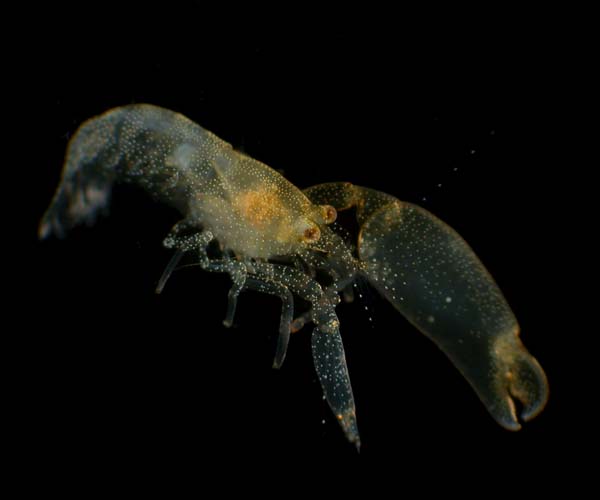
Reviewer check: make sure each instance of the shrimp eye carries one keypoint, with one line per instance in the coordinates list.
(312, 234)
(329, 213)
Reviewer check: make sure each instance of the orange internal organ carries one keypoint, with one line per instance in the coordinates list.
(261, 207)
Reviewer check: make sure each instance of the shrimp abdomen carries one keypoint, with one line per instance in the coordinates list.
(87, 176)
(161, 151)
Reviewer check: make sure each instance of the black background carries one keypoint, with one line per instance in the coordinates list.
(454, 120)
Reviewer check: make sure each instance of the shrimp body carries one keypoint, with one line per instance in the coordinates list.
(279, 240)
(249, 207)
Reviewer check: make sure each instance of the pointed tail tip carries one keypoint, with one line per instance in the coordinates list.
(50, 227)
(43, 230)
(47, 227)
(55, 222)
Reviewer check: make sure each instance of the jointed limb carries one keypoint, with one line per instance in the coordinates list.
(287, 312)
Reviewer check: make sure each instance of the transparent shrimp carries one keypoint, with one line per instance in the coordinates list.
(274, 238)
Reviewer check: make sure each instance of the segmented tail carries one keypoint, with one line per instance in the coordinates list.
(87, 177)
(158, 150)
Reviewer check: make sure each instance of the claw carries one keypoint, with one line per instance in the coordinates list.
(330, 364)
(517, 375)
(430, 274)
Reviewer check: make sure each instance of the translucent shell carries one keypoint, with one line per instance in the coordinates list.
(273, 238)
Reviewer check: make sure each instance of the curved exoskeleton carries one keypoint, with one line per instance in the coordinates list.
(274, 238)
